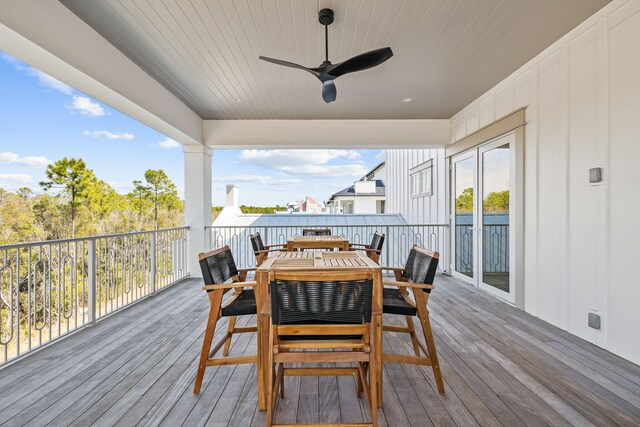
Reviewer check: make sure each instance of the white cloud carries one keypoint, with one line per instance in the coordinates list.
(381, 155)
(86, 107)
(276, 158)
(258, 179)
(13, 181)
(306, 162)
(108, 135)
(44, 79)
(329, 171)
(31, 161)
(168, 143)
(50, 82)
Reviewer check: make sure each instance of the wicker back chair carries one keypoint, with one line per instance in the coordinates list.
(262, 251)
(418, 275)
(374, 249)
(316, 232)
(322, 312)
(221, 275)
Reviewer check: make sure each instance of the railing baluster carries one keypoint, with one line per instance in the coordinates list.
(92, 276)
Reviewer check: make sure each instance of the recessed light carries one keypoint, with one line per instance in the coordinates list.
(407, 99)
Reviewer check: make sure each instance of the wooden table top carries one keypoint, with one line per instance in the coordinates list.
(315, 238)
(318, 260)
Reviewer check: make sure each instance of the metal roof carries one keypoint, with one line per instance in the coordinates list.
(351, 191)
(303, 220)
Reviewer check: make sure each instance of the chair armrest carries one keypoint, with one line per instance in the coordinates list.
(273, 246)
(266, 251)
(406, 284)
(358, 244)
(398, 269)
(366, 249)
(397, 272)
(230, 285)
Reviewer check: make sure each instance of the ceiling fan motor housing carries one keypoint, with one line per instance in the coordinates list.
(325, 16)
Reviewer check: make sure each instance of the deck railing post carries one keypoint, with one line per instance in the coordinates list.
(154, 262)
(387, 237)
(92, 277)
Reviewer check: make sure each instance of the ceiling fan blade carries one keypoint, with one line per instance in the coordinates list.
(328, 91)
(290, 65)
(361, 62)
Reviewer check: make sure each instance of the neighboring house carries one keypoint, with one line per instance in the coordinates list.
(232, 227)
(306, 205)
(366, 196)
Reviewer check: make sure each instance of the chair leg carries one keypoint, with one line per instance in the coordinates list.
(423, 315)
(412, 334)
(269, 368)
(359, 380)
(373, 386)
(215, 299)
(227, 343)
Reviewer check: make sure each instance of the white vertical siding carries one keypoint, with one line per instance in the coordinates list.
(416, 210)
(583, 110)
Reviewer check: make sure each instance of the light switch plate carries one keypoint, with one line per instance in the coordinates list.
(595, 175)
(594, 321)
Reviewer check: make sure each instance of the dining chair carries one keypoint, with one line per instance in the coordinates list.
(373, 249)
(321, 312)
(262, 251)
(316, 232)
(417, 275)
(221, 275)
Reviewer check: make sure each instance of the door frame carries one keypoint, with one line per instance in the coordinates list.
(516, 209)
(469, 154)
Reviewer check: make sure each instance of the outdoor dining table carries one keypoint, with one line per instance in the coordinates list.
(347, 261)
(318, 242)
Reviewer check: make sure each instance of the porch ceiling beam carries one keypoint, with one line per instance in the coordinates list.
(327, 133)
(48, 36)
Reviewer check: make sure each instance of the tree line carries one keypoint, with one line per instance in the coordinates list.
(76, 203)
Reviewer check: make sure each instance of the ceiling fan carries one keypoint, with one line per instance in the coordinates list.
(328, 72)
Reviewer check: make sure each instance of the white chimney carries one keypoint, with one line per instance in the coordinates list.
(232, 196)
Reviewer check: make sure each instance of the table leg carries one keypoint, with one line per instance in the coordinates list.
(377, 298)
(262, 324)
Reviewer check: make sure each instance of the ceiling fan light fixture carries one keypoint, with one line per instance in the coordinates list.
(328, 72)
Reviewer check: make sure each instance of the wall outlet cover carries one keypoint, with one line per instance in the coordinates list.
(594, 321)
(595, 175)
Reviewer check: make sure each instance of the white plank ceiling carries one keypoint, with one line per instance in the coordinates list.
(447, 52)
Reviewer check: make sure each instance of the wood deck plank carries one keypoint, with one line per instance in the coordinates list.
(500, 366)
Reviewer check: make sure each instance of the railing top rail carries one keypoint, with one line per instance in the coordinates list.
(80, 239)
(325, 225)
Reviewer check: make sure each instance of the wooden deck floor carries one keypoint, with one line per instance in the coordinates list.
(500, 365)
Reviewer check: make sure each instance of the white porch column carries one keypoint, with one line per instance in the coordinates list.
(197, 200)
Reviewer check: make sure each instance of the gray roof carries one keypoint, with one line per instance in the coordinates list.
(304, 220)
(351, 191)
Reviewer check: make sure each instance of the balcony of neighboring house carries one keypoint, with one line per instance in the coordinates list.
(509, 134)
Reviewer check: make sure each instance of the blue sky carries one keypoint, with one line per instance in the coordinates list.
(43, 120)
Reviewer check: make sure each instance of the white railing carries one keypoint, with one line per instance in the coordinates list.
(399, 239)
(51, 288)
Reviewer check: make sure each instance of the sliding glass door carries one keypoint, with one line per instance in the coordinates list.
(482, 185)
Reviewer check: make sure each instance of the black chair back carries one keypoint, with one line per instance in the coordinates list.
(421, 266)
(316, 232)
(377, 241)
(256, 242)
(320, 302)
(218, 266)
